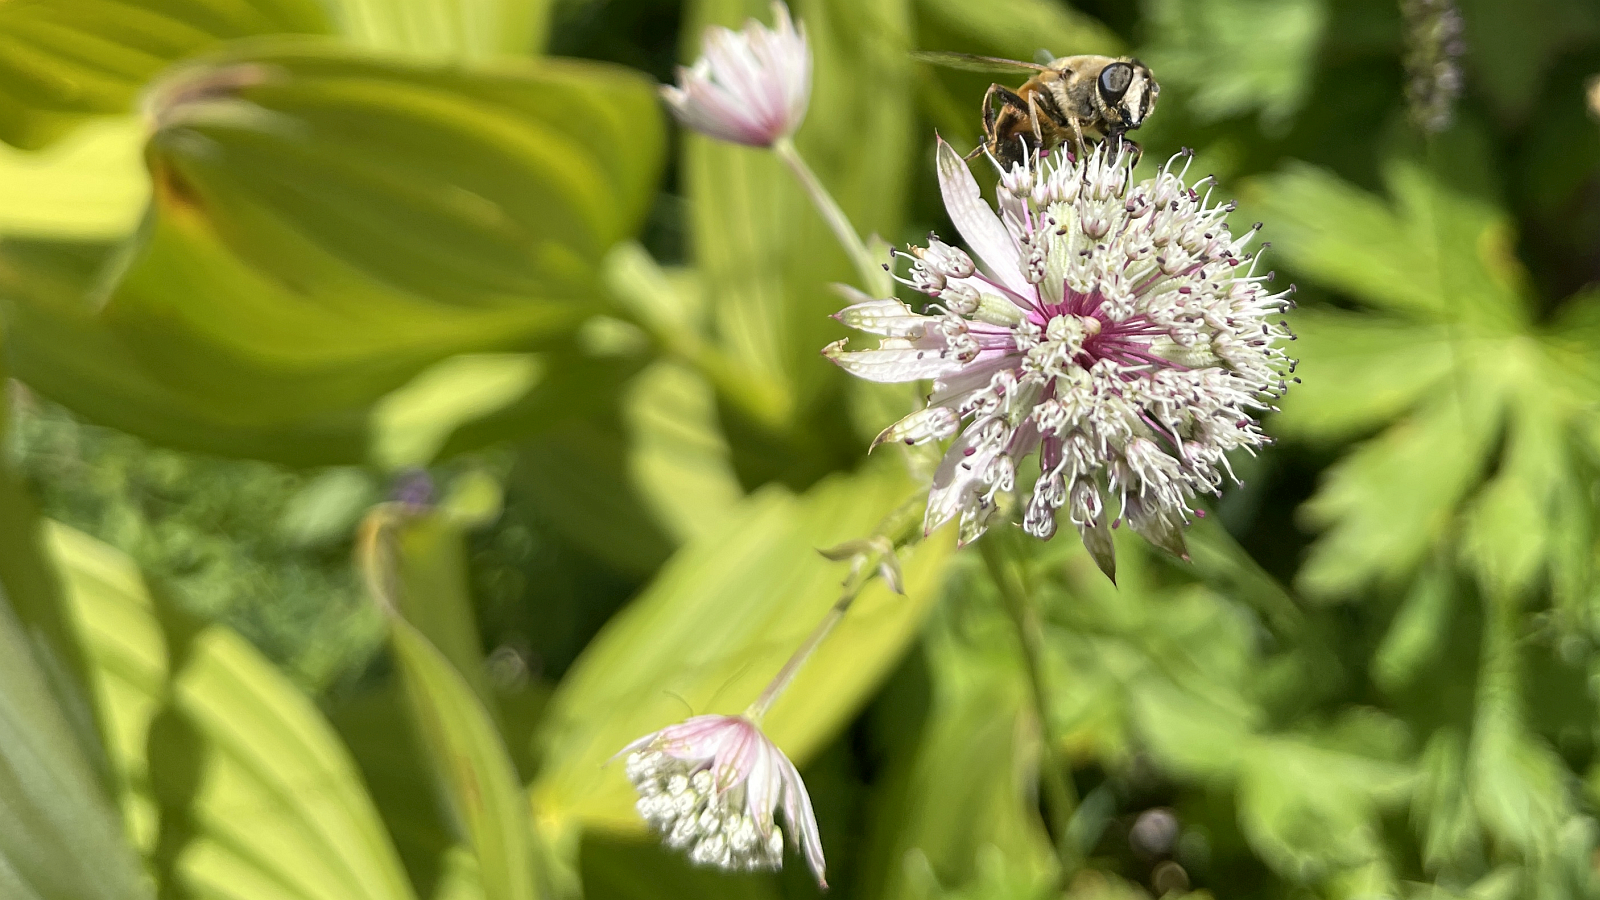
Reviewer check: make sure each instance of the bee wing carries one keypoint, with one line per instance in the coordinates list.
(973, 63)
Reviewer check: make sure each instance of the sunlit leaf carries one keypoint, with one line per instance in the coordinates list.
(1359, 372)
(64, 59)
(414, 422)
(1385, 504)
(90, 186)
(1435, 254)
(327, 227)
(462, 30)
(678, 457)
(471, 761)
(250, 789)
(1310, 810)
(718, 622)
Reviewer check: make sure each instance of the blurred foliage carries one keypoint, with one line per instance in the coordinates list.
(430, 284)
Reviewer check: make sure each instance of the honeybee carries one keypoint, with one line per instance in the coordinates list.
(1068, 98)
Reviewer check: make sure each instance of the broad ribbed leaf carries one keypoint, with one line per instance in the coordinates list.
(464, 30)
(63, 59)
(678, 458)
(250, 791)
(61, 839)
(90, 186)
(472, 763)
(717, 624)
(327, 226)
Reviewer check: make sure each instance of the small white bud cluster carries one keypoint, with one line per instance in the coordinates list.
(683, 805)
(710, 787)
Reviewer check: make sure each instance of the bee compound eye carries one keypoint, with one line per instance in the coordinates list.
(1114, 81)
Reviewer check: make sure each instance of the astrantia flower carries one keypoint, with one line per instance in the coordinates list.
(710, 785)
(749, 88)
(1115, 329)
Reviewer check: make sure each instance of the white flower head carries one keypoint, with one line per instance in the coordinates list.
(1116, 329)
(748, 87)
(710, 785)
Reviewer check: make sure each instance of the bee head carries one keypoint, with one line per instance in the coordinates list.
(1125, 93)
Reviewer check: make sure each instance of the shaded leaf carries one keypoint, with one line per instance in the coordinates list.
(62, 838)
(968, 799)
(1236, 56)
(471, 761)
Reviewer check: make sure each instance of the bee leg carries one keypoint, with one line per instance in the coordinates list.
(997, 102)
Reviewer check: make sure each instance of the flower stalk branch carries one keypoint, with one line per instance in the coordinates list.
(1061, 800)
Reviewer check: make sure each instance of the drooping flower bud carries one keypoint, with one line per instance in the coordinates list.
(749, 87)
(710, 786)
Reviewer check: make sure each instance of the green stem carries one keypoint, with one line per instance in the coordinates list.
(1060, 797)
(873, 277)
(852, 589)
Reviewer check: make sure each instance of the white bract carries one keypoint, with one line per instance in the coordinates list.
(748, 87)
(710, 786)
(1116, 329)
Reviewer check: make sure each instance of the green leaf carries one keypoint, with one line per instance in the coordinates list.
(718, 622)
(618, 869)
(1436, 254)
(678, 457)
(967, 799)
(1419, 631)
(250, 789)
(431, 593)
(1359, 372)
(414, 422)
(472, 764)
(31, 584)
(457, 30)
(66, 59)
(1019, 28)
(1309, 810)
(1511, 526)
(1395, 497)
(61, 838)
(1238, 55)
(90, 186)
(61, 347)
(326, 227)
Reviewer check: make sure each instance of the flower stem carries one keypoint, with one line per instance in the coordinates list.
(874, 278)
(1059, 794)
(867, 566)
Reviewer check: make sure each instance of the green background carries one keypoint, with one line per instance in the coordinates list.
(267, 265)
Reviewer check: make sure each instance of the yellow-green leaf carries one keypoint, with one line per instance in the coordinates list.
(717, 624)
(251, 791)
